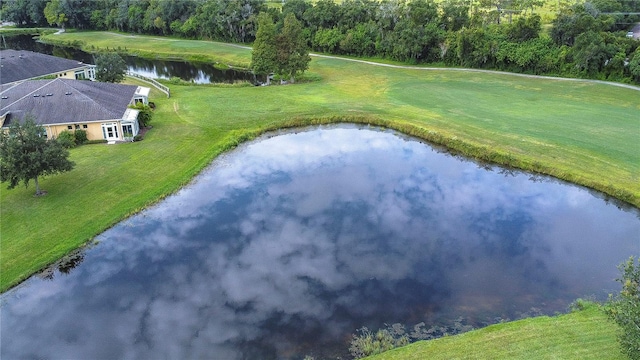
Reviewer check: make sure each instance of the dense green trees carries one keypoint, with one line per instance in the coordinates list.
(291, 48)
(264, 56)
(624, 309)
(585, 39)
(284, 53)
(110, 67)
(26, 154)
(26, 13)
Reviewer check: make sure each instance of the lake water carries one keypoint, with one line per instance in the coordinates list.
(199, 73)
(288, 245)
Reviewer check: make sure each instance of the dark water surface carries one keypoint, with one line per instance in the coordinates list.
(199, 73)
(286, 246)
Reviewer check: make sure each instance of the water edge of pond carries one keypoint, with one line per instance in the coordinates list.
(285, 265)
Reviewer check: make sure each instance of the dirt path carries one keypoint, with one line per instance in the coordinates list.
(410, 67)
(632, 87)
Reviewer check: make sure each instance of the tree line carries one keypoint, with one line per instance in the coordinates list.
(583, 39)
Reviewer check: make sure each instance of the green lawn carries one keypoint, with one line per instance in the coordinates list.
(157, 47)
(584, 132)
(581, 335)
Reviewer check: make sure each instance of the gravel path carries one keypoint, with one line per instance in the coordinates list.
(627, 86)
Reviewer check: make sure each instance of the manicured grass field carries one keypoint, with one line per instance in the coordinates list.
(159, 47)
(582, 335)
(584, 132)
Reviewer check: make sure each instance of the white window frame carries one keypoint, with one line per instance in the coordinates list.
(115, 128)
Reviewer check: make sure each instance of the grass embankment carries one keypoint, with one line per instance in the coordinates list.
(584, 335)
(580, 131)
(154, 47)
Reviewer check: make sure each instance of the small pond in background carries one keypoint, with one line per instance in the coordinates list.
(286, 246)
(196, 72)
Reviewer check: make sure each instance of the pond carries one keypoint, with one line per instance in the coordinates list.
(289, 244)
(199, 73)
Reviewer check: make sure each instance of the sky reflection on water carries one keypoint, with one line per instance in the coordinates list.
(287, 246)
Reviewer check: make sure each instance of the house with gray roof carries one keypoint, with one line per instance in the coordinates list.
(100, 109)
(21, 65)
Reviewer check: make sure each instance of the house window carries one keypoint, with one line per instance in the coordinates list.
(70, 127)
(110, 131)
(84, 126)
(127, 130)
(77, 126)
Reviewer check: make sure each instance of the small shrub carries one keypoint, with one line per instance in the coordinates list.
(67, 139)
(580, 304)
(624, 309)
(144, 115)
(138, 138)
(80, 136)
(367, 343)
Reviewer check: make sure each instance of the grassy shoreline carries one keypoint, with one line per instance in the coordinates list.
(541, 125)
(583, 334)
(240, 57)
(582, 132)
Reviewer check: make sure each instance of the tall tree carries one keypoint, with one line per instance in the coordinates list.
(591, 52)
(634, 65)
(297, 7)
(28, 13)
(624, 308)
(54, 13)
(264, 55)
(110, 67)
(25, 154)
(454, 14)
(292, 51)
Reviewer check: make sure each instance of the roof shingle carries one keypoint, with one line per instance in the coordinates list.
(61, 101)
(16, 65)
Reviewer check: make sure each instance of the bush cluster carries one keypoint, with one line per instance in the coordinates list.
(145, 114)
(70, 139)
(366, 343)
(579, 39)
(624, 309)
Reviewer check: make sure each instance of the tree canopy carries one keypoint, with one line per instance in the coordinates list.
(624, 309)
(285, 53)
(26, 154)
(54, 13)
(110, 67)
(291, 48)
(264, 54)
(581, 39)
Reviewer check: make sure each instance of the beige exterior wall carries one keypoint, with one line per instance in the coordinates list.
(94, 130)
(69, 74)
(88, 73)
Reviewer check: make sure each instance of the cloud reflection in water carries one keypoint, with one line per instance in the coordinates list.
(285, 247)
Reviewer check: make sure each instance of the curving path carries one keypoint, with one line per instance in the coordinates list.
(632, 87)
